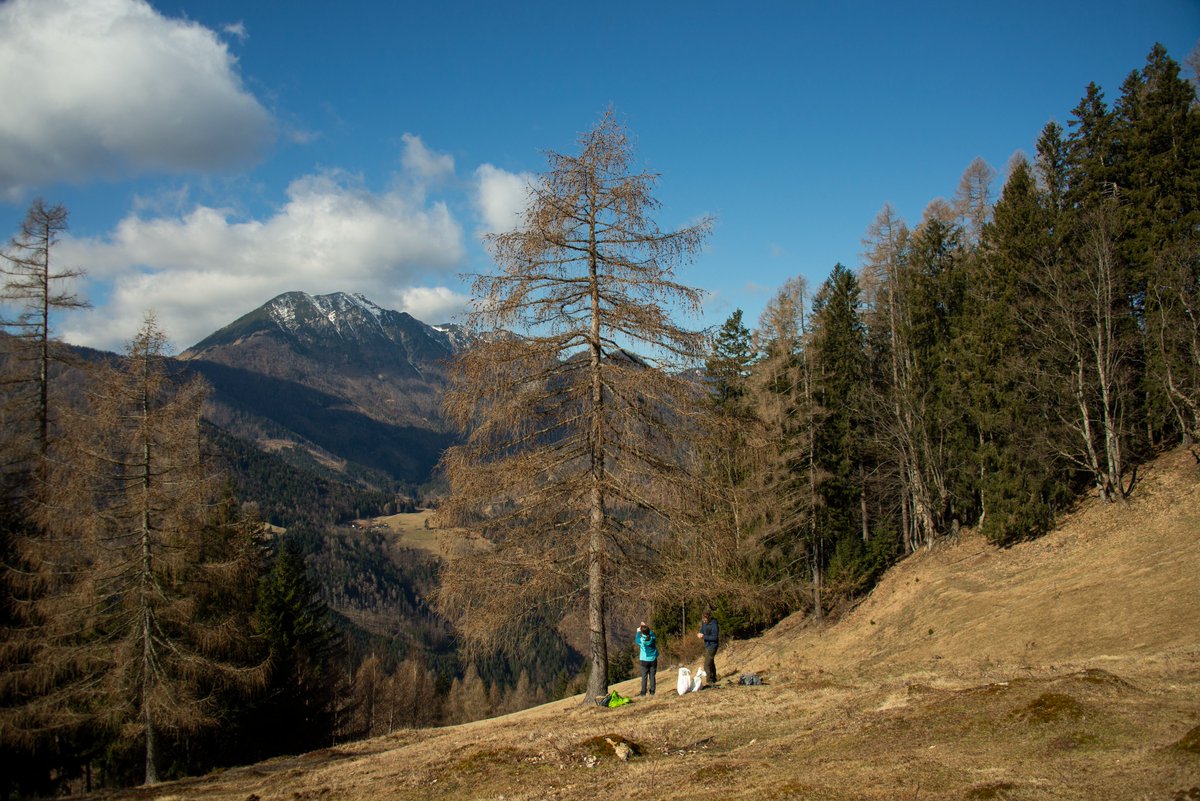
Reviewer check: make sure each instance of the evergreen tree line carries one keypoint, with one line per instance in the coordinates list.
(984, 368)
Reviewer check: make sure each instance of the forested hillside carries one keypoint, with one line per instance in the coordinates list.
(1028, 342)
(986, 365)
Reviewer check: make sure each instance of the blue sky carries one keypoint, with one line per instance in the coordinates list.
(215, 153)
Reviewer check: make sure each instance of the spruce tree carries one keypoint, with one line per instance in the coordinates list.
(838, 344)
(299, 710)
(1158, 123)
(729, 362)
(1050, 168)
(1092, 152)
(1020, 481)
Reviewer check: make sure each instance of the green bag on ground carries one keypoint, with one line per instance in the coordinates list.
(616, 699)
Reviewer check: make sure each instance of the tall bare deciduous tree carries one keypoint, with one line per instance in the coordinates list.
(898, 406)
(37, 288)
(571, 462)
(1175, 327)
(1088, 338)
(788, 477)
(972, 201)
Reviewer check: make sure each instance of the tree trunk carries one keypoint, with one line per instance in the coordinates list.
(147, 714)
(598, 677)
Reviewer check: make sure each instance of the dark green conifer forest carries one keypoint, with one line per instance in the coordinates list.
(991, 363)
(1030, 341)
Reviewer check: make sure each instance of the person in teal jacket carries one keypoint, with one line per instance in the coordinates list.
(647, 643)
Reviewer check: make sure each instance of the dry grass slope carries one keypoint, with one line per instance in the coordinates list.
(1066, 668)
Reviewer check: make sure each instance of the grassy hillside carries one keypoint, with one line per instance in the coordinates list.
(1065, 668)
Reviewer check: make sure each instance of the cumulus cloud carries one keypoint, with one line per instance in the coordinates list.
(105, 88)
(202, 269)
(500, 197)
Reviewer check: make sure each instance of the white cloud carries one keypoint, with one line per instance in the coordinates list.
(433, 305)
(500, 197)
(201, 270)
(237, 30)
(422, 163)
(103, 88)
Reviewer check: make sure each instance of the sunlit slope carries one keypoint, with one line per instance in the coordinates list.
(1113, 582)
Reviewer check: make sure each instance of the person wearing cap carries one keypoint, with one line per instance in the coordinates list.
(647, 643)
(710, 632)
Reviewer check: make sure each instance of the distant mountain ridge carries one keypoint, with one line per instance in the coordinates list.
(351, 385)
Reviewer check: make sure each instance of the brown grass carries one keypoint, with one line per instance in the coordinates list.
(411, 530)
(1065, 668)
(415, 530)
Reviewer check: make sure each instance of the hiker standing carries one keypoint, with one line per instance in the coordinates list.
(710, 632)
(647, 643)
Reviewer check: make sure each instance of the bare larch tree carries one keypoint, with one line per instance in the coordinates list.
(38, 288)
(572, 404)
(145, 626)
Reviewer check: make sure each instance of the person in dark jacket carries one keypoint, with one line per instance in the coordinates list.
(710, 632)
(647, 643)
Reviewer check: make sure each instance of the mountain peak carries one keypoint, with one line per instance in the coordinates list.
(337, 373)
(334, 320)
